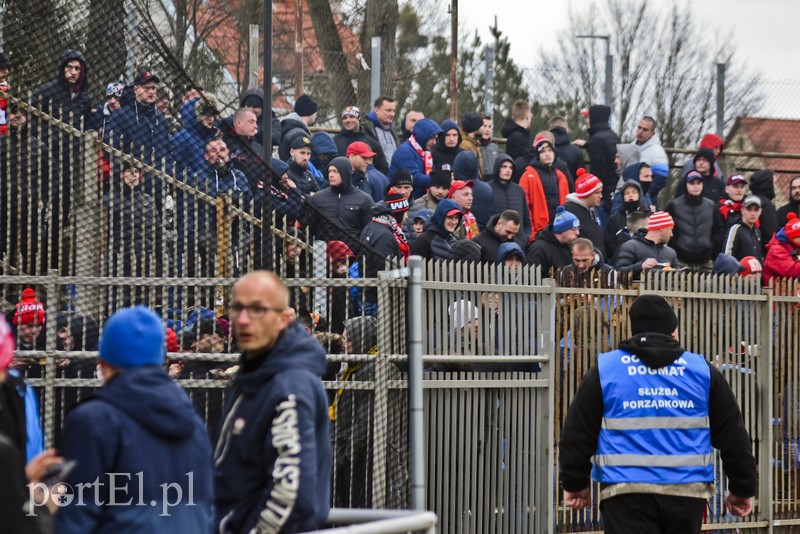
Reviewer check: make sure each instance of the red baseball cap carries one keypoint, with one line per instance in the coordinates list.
(359, 148)
(455, 185)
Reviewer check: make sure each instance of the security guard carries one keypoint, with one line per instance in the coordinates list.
(646, 416)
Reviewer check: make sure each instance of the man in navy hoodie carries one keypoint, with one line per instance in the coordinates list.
(142, 456)
(272, 463)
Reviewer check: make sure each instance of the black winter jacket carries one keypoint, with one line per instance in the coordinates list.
(344, 139)
(590, 227)
(518, 139)
(762, 184)
(742, 241)
(636, 250)
(602, 150)
(699, 230)
(345, 205)
(435, 241)
(510, 196)
(548, 252)
(570, 154)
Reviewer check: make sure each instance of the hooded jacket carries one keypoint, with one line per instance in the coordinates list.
(618, 222)
(570, 154)
(466, 167)
(189, 144)
(508, 248)
(140, 422)
(443, 157)
(762, 184)
(602, 150)
(380, 238)
(291, 127)
(140, 129)
(652, 153)
(56, 96)
(510, 196)
(783, 258)
(435, 241)
(548, 252)
(590, 225)
(343, 204)
(406, 157)
(272, 462)
(545, 189)
(631, 174)
(518, 139)
(579, 437)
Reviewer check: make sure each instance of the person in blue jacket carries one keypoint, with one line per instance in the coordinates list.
(415, 155)
(272, 462)
(139, 438)
(189, 144)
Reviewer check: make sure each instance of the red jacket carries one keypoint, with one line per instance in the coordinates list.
(783, 258)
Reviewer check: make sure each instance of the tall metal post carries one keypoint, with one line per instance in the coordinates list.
(266, 122)
(298, 48)
(375, 79)
(488, 91)
(609, 71)
(252, 57)
(454, 59)
(415, 404)
(720, 98)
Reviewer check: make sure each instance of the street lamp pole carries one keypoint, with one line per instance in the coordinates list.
(609, 63)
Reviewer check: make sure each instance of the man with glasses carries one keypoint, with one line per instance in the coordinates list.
(272, 461)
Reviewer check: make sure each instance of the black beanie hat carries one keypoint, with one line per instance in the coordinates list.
(706, 153)
(652, 313)
(471, 122)
(305, 106)
(441, 178)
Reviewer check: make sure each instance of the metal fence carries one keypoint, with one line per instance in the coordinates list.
(504, 353)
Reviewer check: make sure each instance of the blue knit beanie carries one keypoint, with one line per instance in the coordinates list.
(133, 337)
(564, 221)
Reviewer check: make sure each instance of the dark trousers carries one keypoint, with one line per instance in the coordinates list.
(650, 513)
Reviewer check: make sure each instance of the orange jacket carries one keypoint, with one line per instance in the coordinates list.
(531, 183)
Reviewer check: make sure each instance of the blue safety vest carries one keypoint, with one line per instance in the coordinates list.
(655, 421)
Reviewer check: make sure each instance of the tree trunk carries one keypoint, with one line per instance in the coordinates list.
(380, 20)
(338, 82)
(106, 25)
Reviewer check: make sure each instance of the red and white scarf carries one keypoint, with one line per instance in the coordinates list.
(427, 157)
(391, 222)
(471, 224)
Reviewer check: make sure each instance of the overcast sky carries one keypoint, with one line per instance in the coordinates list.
(765, 32)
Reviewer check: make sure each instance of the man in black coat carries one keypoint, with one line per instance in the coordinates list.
(793, 206)
(602, 150)
(551, 250)
(502, 228)
(583, 203)
(353, 131)
(570, 154)
(506, 195)
(762, 184)
(517, 131)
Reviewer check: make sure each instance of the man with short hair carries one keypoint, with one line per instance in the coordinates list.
(587, 268)
(245, 152)
(379, 125)
(551, 250)
(489, 148)
(744, 238)
(571, 154)
(297, 123)
(407, 126)
(517, 131)
(471, 134)
(699, 230)
(793, 205)
(506, 195)
(583, 202)
(351, 132)
(645, 252)
(140, 424)
(502, 228)
(299, 173)
(277, 404)
(652, 153)
(654, 457)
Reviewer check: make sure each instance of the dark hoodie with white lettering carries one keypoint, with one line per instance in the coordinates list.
(585, 416)
(272, 462)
